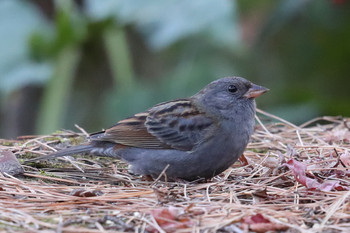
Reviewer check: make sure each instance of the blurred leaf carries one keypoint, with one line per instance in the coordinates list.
(70, 28)
(57, 92)
(119, 56)
(26, 73)
(41, 46)
(285, 11)
(182, 18)
(124, 102)
(16, 67)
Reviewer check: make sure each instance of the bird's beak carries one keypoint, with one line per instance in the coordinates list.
(255, 91)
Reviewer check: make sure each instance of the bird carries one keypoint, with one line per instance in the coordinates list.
(188, 139)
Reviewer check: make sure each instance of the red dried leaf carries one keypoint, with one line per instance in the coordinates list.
(328, 185)
(299, 171)
(243, 160)
(258, 218)
(258, 223)
(171, 219)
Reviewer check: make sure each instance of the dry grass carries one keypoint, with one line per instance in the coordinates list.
(260, 193)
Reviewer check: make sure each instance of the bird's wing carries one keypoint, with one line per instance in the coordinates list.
(179, 124)
(175, 124)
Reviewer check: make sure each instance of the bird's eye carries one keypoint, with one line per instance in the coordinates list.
(232, 88)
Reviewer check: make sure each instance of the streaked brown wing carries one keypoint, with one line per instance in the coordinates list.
(175, 124)
(132, 132)
(179, 124)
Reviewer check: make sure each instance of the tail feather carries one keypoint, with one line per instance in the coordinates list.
(65, 152)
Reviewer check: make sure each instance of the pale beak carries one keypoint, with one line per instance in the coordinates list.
(255, 91)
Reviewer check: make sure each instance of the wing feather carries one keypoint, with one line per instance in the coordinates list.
(176, 124)
(179, 124)
(133, 132)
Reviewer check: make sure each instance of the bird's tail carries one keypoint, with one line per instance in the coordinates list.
(65, 152)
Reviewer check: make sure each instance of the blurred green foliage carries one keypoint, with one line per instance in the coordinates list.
(94, 62)
(17, 67)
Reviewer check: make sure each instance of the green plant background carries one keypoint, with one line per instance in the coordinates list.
(93, 63)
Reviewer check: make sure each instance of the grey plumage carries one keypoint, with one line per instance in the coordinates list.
(198, 137)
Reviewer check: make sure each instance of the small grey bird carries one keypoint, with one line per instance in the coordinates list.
(197, 137)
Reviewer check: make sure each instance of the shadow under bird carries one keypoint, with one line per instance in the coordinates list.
(197, 137)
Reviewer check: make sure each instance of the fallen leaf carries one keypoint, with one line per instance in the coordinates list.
(243, 160)
(170, 219)
(299, 171)
(258, 223)
(328, 185)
